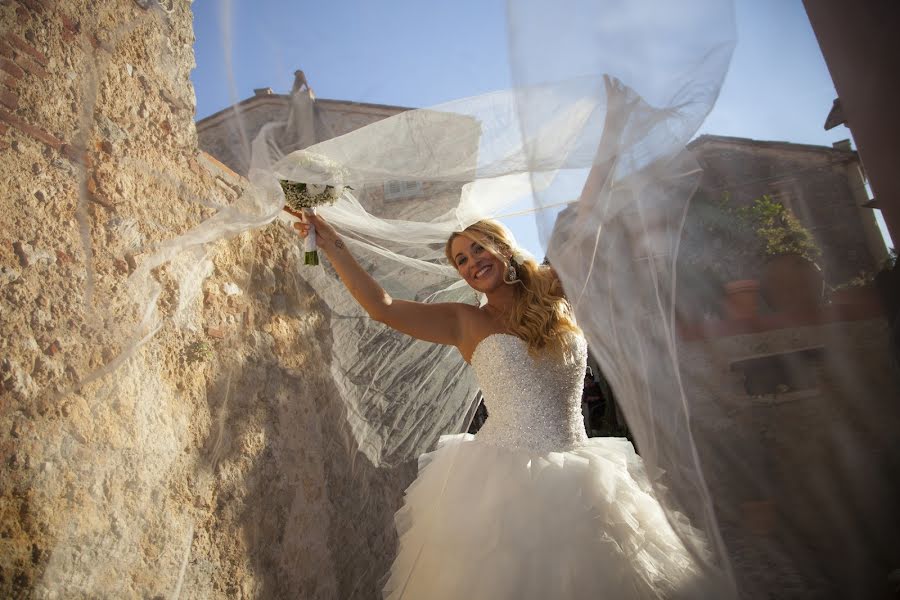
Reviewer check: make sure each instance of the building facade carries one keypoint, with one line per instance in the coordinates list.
(779, 392)
(824, 187)
(228, 135)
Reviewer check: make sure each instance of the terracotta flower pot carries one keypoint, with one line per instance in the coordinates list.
(741, 299)
(791, 283)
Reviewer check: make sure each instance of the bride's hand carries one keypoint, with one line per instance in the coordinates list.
(324, 232)
(621, 101)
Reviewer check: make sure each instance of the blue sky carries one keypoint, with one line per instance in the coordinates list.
(414, 53)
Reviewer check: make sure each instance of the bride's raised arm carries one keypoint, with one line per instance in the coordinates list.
(439, 322)
(619, 102)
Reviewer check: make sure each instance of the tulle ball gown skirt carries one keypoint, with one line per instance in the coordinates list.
(484, 521)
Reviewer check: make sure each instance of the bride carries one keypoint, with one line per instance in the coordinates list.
(530, 507)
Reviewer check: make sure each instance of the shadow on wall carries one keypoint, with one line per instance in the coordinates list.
(314, 518)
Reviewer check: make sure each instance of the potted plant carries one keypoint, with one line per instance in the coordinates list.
(791, 280)
(741, 298)
(719, 258)
(861, 289)
(855, 290)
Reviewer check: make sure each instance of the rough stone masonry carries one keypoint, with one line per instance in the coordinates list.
(201, 458)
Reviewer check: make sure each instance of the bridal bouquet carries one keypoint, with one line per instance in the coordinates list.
(307, 196)
(300, 196)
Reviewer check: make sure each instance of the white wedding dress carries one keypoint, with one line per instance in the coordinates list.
(532, 508)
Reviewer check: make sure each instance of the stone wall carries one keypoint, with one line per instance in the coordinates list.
(198, 456)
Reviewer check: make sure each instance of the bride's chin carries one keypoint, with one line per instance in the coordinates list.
(479, 286)
(486, 287)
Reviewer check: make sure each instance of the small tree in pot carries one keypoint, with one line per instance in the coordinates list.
(791, 280)
(861, 289)
(719, 259)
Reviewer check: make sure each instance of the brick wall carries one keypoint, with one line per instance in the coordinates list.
(21, 63)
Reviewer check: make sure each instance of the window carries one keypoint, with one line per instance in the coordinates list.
(397, 190)
(780, 373)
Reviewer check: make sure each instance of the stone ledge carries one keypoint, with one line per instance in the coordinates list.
(828, 314)
(218, 169)
(283, 100)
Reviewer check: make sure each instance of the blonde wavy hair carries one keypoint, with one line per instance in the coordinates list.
(541, 314)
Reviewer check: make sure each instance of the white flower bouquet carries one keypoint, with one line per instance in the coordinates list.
(307, 196)
(299, 196)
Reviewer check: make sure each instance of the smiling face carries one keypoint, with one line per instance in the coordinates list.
(481, 269)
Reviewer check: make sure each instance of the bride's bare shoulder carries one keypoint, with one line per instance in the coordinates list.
(475, 318)
(476, 325)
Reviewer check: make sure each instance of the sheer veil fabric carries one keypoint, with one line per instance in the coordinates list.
(619, 85)
(590, 139)
(620, 89)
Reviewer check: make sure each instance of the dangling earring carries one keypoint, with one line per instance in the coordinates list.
(512, 274)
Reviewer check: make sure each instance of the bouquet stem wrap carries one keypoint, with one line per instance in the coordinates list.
(310, 247)
(305, 197)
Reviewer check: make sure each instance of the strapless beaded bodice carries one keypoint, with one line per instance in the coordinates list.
(533, 403)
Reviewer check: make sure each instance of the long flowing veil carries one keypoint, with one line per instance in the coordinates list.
(617, 117)
(772, 434)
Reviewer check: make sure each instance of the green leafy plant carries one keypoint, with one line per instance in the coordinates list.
(719, 244)
(723, 242)
(864, 278)
(779, 231)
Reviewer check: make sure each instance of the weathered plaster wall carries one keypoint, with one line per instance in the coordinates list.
(209, 463)
(803, 487)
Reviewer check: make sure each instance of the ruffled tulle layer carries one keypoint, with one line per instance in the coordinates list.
(484, 521)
